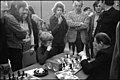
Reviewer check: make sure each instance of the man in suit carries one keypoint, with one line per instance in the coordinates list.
(15, 33)
(100, 67)
(108, 20)
(93, 24)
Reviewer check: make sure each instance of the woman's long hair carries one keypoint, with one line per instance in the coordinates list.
(15, 6)
(28, 19)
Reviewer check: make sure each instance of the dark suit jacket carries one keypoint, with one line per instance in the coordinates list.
(107, 23)
(100, 67)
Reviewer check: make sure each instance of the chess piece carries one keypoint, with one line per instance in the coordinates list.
(71, 67)
(23, 73)
(13, 77)
(4, 78)
(9, 76)
(18, 73)
(63, 66)
(26, 75)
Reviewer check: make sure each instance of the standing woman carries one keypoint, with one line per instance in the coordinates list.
(58, 26)
(28, 42)
(15, 33)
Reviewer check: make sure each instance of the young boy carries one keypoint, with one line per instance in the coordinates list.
(45, 51)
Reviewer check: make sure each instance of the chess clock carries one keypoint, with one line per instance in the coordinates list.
(54, 65)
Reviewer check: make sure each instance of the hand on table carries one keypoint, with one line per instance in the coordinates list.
(83, 55)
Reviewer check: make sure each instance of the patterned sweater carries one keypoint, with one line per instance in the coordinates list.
(74, 20)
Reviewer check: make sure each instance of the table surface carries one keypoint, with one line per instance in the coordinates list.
(51, 74)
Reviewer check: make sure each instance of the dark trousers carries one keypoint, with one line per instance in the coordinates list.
(15, 56)
(72, 46)
(79, 44)
(3, 50)
(4, 56)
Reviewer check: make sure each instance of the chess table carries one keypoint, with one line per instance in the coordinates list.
(51, 74)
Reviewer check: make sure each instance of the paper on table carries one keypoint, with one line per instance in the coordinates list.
(65, 75)
(31, 73)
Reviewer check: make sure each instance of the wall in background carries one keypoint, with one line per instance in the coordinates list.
(47, 6)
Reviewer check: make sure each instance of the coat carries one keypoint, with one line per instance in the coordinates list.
(99, 68)
(107, 23)
(58, 30)
(14, 32)
(115, 66)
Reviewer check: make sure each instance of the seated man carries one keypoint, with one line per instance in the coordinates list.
(46, 50)
(100, 67)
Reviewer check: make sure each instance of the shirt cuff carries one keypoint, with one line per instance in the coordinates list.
(84, 57)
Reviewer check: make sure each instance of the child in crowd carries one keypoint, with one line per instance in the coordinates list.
(45, 51)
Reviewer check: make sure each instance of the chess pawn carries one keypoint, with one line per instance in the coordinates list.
(73, 63)
(65, 58)
(71, 67)
(23, 73)
(63, 66)
(13, 77)
(69, 59)
(26, 75)
(18, 73)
